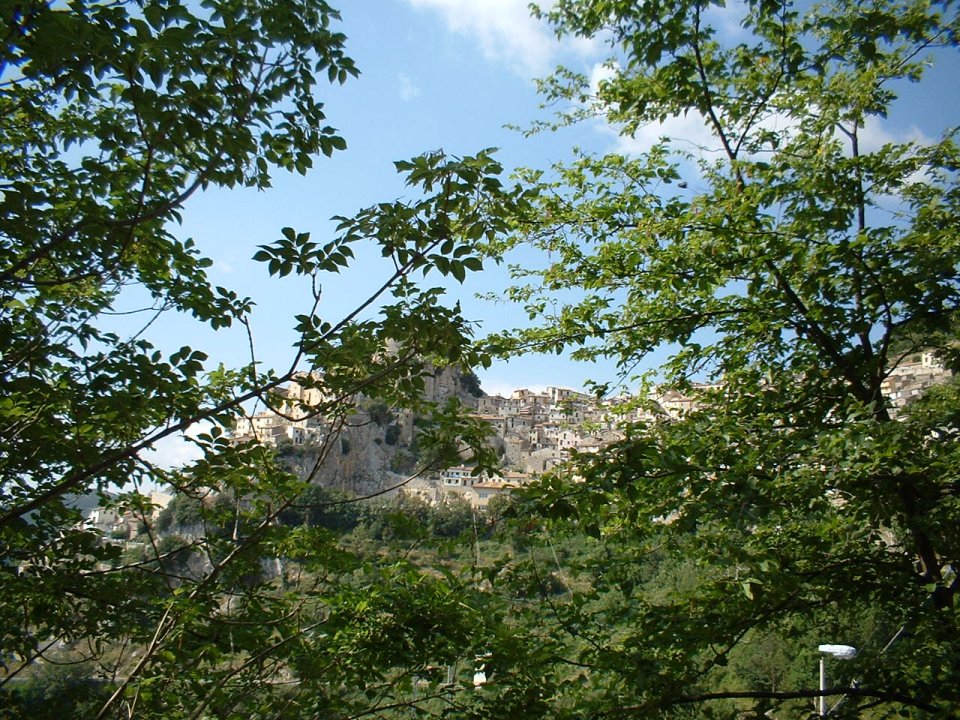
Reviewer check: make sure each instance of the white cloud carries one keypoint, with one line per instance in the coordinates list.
(692, 132)
(175, 451)
(507, 33)
(505, 388)
(504, 30)
(689, 132)
(727, 18)
(686, 132)
(408, 90)
(875, 134)
(600, 72)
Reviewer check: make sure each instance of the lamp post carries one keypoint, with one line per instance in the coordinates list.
(480, 670)
(841, 652)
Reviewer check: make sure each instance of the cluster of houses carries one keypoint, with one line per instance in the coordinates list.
(911, 377)
(291, 421)
(538, 430)
(535, 431)
(460, 483)
(112, 521)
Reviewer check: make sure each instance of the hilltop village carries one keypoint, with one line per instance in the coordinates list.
(533, 430)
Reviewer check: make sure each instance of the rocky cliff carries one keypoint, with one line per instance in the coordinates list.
(377, 444)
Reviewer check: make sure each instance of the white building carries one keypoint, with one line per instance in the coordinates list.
(459, 476)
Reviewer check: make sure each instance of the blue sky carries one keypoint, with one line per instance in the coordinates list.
(436, 74)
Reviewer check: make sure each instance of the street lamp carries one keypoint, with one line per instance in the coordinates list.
(480, 670)
(841, 652)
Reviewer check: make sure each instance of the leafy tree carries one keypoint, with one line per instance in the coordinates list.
(183, 511)
(57, 691)
(793, 264)
(318, 506)
(471, 383)
(112, 115)
(452, 518)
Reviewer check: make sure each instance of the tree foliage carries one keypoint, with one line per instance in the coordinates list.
(791, 262)
(113, 115)
(794, 263)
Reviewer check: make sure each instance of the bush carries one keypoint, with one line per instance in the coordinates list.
(392, 434)
(471, 383)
